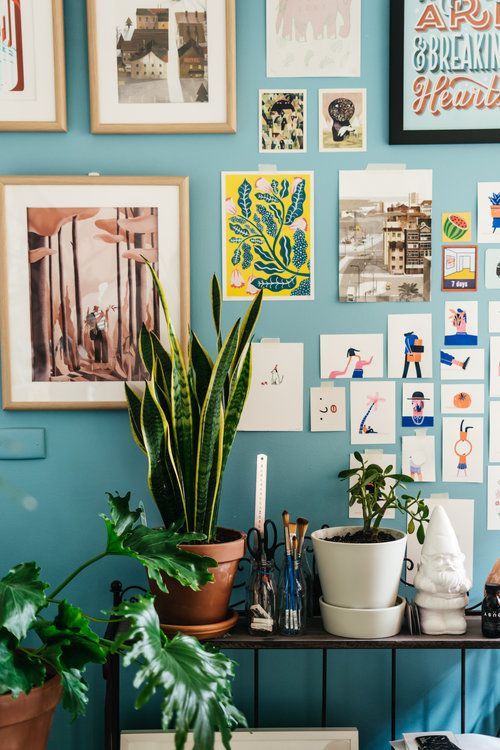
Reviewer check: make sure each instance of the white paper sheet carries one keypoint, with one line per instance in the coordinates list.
(419, 458)
(373, 412)
(328, 410)
(405, 334)
(463, 440)
(462, 398)
(352, 355)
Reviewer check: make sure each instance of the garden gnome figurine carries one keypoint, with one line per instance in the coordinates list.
(441, 581)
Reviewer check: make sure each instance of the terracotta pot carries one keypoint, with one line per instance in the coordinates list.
(495, 212)
(183, 606)
(25, 722)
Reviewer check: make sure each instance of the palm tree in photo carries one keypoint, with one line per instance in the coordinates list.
(408, 291)
(373, 402)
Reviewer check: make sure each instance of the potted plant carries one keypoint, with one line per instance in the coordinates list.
(495, 205)
(185, 422)
(360, 566)
(46, 644)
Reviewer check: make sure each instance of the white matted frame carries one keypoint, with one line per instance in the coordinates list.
(32, 67)
(265, 739)
(21, 199)
(217, 115)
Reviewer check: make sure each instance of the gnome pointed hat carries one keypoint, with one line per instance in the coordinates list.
(440, 538)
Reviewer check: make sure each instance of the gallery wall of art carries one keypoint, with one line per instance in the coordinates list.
(328, 223)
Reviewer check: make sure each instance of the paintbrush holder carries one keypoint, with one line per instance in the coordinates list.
(293, 600)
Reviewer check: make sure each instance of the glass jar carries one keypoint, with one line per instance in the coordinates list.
(293, 601)
(261, 604)
(490, 612)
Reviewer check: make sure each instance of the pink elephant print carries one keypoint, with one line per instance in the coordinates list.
(295, 16)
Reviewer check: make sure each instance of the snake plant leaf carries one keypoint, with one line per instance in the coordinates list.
(134, 413)
(210, 419)
(163, 477)
(217, 309)
(194, 681)
(74, 695)
(146, 348)
(163, 356)
(215, 482)
(234, 409)
(71, 642)
(21, 595)
(19, 671)
(158, 550)
(202, 366)
(247, 329)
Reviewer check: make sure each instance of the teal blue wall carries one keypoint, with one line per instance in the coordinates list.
(91, 452)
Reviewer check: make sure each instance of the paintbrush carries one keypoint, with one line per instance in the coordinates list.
(286, 523)
(295, 621)
(302, 526)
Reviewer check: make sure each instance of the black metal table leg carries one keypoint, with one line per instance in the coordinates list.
(393, 692)
(463, 688)
(256, 688)
(324, 687)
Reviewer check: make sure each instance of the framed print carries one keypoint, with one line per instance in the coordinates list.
(167, 69)
(342, 120)
(76, 289)
(459, 270)
(444, 72)
(264, 739)
(319, 39)
(32, 67)
(283, 121)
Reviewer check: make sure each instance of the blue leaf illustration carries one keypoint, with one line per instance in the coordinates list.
(275, 186)
(303, 289)
(285, 249)
(247, 256)
(296, 207)
(267, 218)
(266, 197)
(262, 252)
(299, 249)
(276, 211)
(285, 189)
(238, 229)
(275, 283)
(235, 260)
(267, 267)
(245, 201)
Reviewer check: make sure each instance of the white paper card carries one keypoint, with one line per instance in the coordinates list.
(462, 398)
(418, 405)
(373, 412)
(419, 457)
(495, 432)
(492, 268)
(494, 317)
(328, 410)
(352, 355)
(461, 323)
(461, 515)
(275, 401)
(488, 214)
(409, 346)
(493, 498)
(495, 366)
(381, 459)
(462, 364)
(463, 449)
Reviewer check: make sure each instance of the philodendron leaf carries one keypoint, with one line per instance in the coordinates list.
(19, 672)
(21, 596)
(194, 681)
(157, 549)
(74, 698)
(70, 642)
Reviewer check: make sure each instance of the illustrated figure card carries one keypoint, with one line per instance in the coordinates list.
(462, 364)
(462, 398)
(494, 317)
(328, 410)
(492, 268)
(463, 449)
(419, 458)
(275, 401)
(494, 498)
(342, 120)
(409, 345)
(373, 413)
(283, 121)
(495, 432)
(352, 355)
(380, 459)
(461, 323)
(495, 367)
(418, 405)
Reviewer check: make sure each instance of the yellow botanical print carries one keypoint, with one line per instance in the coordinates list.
(267, 234)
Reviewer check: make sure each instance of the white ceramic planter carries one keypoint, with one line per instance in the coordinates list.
(359, 576)
(363, 623)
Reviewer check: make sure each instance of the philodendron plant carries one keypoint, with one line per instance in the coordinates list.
(42, 634)
(376, 490)
(186, 419)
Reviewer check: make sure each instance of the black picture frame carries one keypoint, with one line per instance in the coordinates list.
(398, 136)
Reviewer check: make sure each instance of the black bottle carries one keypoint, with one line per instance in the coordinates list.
(490, 612)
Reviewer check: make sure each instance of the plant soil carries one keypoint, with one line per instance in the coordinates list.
(359, 537)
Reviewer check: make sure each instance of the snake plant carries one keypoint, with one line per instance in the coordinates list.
(186, 419)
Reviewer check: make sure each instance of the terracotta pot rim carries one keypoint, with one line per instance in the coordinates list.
(220, 551)
(38, 701)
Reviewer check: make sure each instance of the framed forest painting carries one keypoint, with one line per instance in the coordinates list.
(445, 71)
(32, 70)
(164, 69)
(76, 289)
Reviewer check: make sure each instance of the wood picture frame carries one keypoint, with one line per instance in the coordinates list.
(37, 100)
(457, 126)
(70, 355)
(113, 120)
(264, 739)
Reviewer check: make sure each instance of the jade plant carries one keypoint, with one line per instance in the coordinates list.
(186, 419)
(378, 490)
(42, 634)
